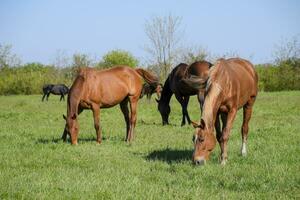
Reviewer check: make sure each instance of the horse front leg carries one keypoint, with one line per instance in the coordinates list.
(181, 101)
(125, 111)
(225, 135)
(185, 105)
(48, 94)
(43, 97)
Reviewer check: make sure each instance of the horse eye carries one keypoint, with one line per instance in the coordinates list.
(200, 139)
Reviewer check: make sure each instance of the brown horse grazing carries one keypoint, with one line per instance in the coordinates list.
(94, 89)
(232, 84)
(180, 82)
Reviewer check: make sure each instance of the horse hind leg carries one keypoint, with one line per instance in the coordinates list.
(96, 115)
(247, 112)
(125, 111)
(133, 117)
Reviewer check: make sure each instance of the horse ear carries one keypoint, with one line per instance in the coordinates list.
(157, 100)
(74, 116)
(202, 124)
(195, 125)
(64, 116)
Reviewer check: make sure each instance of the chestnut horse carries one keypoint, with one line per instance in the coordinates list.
(178, 83)
(94, 89)
(232, 84)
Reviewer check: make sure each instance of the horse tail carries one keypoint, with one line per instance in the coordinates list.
(195, 82)
(150, 78)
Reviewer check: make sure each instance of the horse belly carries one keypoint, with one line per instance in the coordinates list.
(112, 95)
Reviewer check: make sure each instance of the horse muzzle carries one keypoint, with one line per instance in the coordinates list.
(199, 161)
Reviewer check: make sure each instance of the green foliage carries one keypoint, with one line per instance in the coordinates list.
(30, 78)
(118, 57)
(285, 76)
(36, 164)
(81, 60)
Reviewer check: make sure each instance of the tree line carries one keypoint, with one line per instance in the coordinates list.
(165, 49)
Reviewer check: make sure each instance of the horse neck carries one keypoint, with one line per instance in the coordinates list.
(211, 105)
(166, 93)
(72, 106)
(74, 96)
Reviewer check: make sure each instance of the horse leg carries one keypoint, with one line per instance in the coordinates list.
(125, 111)
(65, 133)
(185, 103)
(225, 134)
(96, 113)
(200, 97)
(61, 96)
(133, 107)
(149, 97)
(47, 96)
(43, 96)
(218, 129)
(247, 112)
(180, 100)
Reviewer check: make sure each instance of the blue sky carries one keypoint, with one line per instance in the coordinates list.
(37, 29)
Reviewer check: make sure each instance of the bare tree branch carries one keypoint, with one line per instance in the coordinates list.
(164, 37)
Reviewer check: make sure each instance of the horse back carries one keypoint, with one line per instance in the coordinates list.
(107, 87)
(239, 80)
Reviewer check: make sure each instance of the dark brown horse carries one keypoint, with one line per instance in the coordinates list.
(94, 89)
(180, 82)
(232, 85)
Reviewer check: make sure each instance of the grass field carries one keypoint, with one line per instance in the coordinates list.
(36, 164)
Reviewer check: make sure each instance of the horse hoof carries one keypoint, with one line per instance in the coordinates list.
(223, 162)
(98, 142)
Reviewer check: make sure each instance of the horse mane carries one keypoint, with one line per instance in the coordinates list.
(214, 72)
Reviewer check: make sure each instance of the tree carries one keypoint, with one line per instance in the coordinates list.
(81, 60)
(61, 59)
(164, 38)
(7, 58)
(118, 57)
(288, 49)
(192, 54)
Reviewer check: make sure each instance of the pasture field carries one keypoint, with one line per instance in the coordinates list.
(36, 164)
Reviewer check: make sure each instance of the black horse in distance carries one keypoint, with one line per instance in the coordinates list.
(59, 89)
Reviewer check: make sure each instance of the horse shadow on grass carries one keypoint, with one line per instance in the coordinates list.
(143, 122)
(170, 155)
(59, 140)
(80, 140)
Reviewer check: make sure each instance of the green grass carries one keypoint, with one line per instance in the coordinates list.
(36, 164)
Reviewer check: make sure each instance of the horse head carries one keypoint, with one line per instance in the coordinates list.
(164, 110)
(71, 128)
(204, 142)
